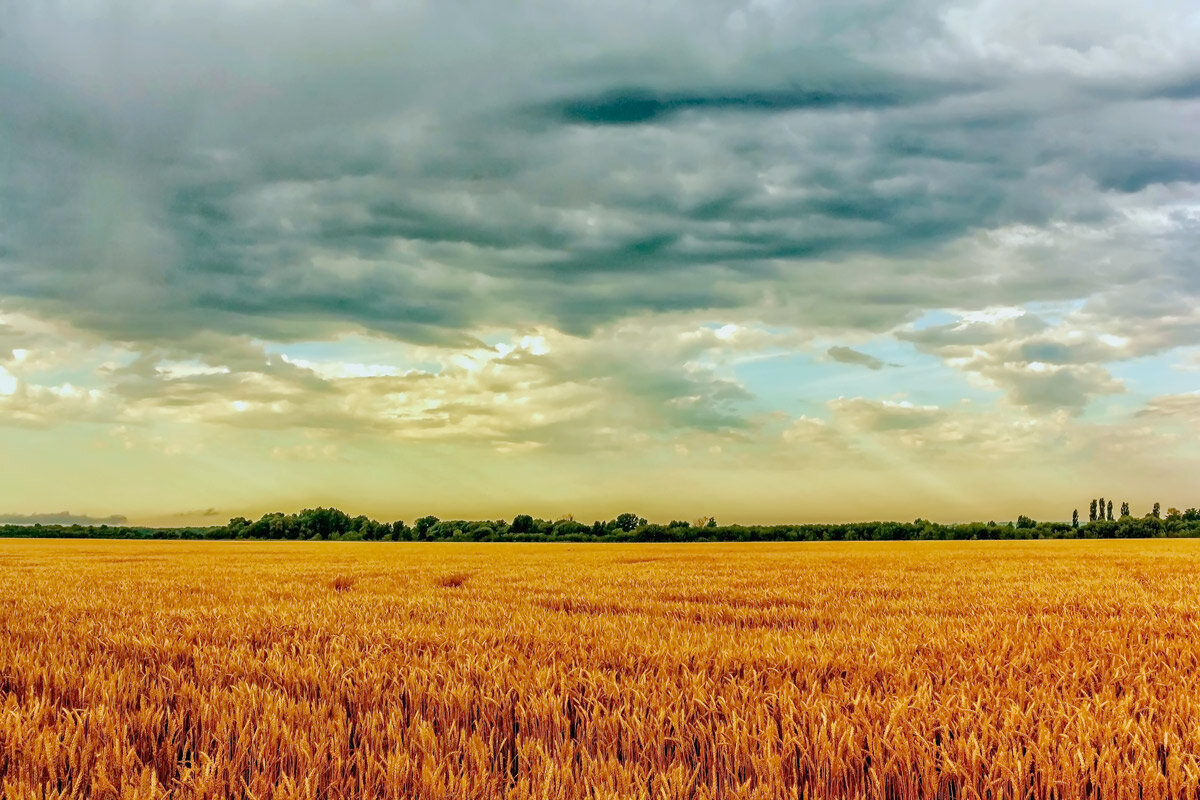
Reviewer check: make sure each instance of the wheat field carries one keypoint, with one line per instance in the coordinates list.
(306, 670)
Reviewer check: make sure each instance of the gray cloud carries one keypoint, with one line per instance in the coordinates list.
(200, 512)
(60, 518)
(848, 355)
(162, 186)
(636, 105)
(1041, 367)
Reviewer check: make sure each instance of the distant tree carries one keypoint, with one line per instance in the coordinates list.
(1075, 518)
(282, 526)
(628, 522)
(678, 523)
(444, 529)
(363, 524)
(1025, 523)
(321, 523)
(423, 525)
(655, 533)
(568, 527)
(1101, 509)
(1092, 512)
(1110, 516)
(400, 531)
(522, 523)
(1157, 512)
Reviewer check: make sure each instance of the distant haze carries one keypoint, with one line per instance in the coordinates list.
(768, 261)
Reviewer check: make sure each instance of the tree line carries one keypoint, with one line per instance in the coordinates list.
(1102, 511)
(332, 524)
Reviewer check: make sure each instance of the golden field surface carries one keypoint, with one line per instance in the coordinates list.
(340, 670)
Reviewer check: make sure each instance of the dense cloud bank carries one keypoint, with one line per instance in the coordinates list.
(403, 169)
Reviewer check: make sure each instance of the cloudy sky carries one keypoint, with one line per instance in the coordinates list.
(765, 260)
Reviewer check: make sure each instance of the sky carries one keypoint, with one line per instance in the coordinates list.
(766, 261)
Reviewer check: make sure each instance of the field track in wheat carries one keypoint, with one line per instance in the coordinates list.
(338, 670)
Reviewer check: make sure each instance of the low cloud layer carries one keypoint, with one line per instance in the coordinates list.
(60, 518)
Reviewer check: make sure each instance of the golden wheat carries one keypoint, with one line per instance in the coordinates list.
(295, 670)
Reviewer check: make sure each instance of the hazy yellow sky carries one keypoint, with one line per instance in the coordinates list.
(762, 261)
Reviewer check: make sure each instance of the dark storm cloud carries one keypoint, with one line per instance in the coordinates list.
(635, 105)
(422, 173)
(1132, 174)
